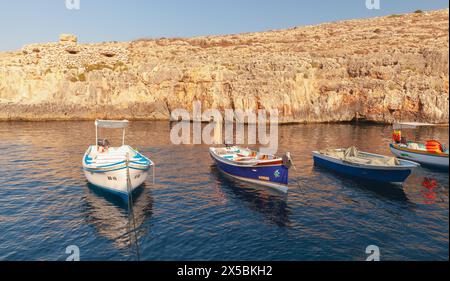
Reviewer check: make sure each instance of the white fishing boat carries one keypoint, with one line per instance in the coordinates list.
(119, 170)
(430, 153)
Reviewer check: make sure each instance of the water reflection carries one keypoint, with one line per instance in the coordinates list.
(109, 214)
(271, 203)
(386, 190)
(431, 191)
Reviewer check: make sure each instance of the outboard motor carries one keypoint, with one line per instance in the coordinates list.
(287, 160)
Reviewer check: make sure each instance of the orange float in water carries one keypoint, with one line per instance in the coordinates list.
(434, 146)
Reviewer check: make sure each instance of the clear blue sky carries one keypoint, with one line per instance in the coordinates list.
(31, 21)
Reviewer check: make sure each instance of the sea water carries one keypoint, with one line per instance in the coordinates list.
(193, 212)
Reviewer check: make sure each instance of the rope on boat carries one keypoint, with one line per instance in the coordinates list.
(295, 168)
(131, 211)
(153, 168)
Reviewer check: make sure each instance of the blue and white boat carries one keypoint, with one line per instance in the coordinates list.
(366, 166)
(251, 166)
(432, 153)
(119, 170)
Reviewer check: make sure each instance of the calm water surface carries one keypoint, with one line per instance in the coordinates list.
(192, 212)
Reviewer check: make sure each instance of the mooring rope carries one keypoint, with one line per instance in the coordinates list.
(297, 182)
(153, 169)
(131, 212)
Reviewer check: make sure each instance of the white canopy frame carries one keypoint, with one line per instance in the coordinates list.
(111, 124)
(410, 125)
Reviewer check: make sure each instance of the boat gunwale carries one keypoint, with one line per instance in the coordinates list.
(411, 165)
(135, 165)
(415, 151)
(261, 163)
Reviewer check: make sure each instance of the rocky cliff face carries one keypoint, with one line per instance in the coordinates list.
(376, 70)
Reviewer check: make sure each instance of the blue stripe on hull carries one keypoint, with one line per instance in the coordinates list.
(270, 174)
(395, 176)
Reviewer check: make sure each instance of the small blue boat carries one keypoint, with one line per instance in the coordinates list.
(250, 166)
(366, 166)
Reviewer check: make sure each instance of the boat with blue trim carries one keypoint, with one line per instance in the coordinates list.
(252, 166)
(431, 153)
(363, 165)
(119, 170)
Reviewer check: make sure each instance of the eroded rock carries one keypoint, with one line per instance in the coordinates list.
(68, 38)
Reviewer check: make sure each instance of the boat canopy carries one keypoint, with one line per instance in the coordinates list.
(410, 125)
(112, 124)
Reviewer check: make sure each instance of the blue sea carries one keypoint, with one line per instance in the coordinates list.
(193, 212)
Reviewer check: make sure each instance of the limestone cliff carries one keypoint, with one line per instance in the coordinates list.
(374, 69)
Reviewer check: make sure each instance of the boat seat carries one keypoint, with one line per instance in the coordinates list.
(221, 151)
(244, 159)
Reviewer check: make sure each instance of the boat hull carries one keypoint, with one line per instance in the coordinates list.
(395, 175)
(424, 158)
(113, 177)
(115, 180)
(275, 176)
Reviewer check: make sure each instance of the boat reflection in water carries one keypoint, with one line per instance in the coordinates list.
(269, 202)
(109, 214)
(390, 191)
(433, 191)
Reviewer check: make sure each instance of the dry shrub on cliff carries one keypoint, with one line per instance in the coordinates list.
(77, 78)
(97, 66)
(198, 42)
(284, 41)
(211, 43)
(248, 42)
(142, 42)
(120, 66)
(162, 42)
(361, 52)
(82, 77)
(144, 39)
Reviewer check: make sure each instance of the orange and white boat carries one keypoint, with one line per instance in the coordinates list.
(431, 153)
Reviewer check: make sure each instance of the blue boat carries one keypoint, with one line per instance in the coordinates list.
(364, 165)
(254, 167)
